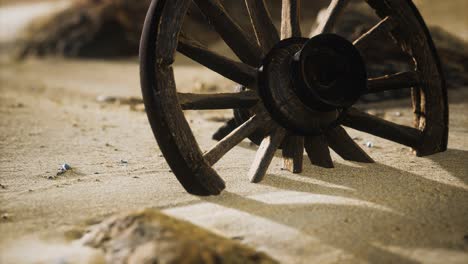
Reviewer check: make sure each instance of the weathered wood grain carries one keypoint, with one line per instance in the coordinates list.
(395, 81)
(318, 151)
(191, 101)
(375, 34)
(235, 37)
(339, 140)
(265, 30)
(431, 107)
(233, 70)
(293, 153)
(382, 128)
(290, 19)
(171, 129)
(234, 138)
(265, 154)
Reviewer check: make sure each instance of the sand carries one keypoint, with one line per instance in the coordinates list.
(402, 209)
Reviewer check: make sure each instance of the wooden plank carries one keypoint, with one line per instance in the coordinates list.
(265, 30)
(290, 19)
(384, 27)
(234, 138)
(339, 140)
(318, 151)
(334, 11)
(395, 81)
(293, 153)
(235, 37)
(233, 70)
(190, 101)
(265, 154)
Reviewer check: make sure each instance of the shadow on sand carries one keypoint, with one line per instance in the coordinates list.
(410, 211)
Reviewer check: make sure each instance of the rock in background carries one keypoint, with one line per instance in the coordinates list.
(110, 28)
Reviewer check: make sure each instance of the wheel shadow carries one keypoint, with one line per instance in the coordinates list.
(365, 209)
(454, 161)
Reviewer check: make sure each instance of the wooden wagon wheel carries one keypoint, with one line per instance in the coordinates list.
(299, 88)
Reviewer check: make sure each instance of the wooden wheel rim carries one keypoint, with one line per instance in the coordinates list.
(176, 140)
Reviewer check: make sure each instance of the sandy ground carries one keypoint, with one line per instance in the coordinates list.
(403, 209)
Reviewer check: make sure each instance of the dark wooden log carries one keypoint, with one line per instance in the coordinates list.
(384, 27)
(393, 82)
(265, 154)
(339, 140)
(233, 70)
(293, 153)
(265, 30)
(334, 11)
(290, 19)
(234, 138)
(235, 37)
(318, 151)
(382, 128)
(190, 101)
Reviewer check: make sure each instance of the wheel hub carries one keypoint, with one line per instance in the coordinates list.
(306, 84)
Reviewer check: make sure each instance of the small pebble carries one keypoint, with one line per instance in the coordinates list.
(398, 114)
(63, 168)
(106, 99)
(2, 186)
(96, 172)
(369, 144)
(5, 216)
(123, 161)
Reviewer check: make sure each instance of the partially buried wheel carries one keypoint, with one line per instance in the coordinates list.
(297, 91)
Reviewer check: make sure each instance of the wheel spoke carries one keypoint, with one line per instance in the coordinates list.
(290, 19)
(393, 82)
(265, 154)
(318, 152)
(233, 70)
(247, 50)
(234, 138)
(265, 30)
(334, 11)
(384, 27)
(382, 128)
(293, 153)
(339, 140)
(190, 101)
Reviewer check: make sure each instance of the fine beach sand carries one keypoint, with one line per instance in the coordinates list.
(402, 209)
